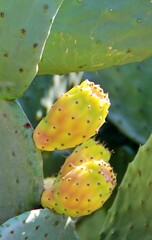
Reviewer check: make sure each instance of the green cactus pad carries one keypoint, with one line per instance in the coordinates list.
(21, 171)
(131, 97)
(24, 28)
(40, 224)
(75, 117)
(89, 35)
(82, 190)
(130, 216)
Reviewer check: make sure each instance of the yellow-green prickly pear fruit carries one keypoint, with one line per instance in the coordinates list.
(82, 190)
(75, 117)
(85, 152)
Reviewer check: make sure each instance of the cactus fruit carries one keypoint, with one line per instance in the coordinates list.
(21, 170)
(75, 117)
(24, 28)
(130, 215)
(82, 190)
(92, 35)
(85, 152)
(40, 224)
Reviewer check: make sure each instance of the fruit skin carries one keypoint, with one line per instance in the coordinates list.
(82, 190)
(75, 117)
(85, 152)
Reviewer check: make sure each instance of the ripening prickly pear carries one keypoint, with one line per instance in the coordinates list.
(75, 117)
(82, 190)
(85, 152)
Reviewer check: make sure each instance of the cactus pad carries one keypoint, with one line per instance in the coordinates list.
(40, 224)
(82, 190)
(130, 215)
(75, 117)
(21, 171)
(24, 28)
(89, 35)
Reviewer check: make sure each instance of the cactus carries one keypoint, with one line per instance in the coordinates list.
(85, 105)
(85, 152)
(92, 35)
(82, 190)
(130, 94)
(22, 43)
(21, 172)
(130, 215)
(40, 224)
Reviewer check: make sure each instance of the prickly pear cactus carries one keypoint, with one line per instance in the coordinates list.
(89, 35)
(130, 215)
(22, 43)
(21, 172)
(85, 105)
(40, 224)
(130, 94)
(85, 152)
(82, 190)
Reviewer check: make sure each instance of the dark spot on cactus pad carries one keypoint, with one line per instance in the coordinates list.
(131, 226)
(62, 144)
(81, 160)
(35, 45)
(46, 235)
(129, 51)
(76, 102)
(11, 232)
(37, 227)
(27, 125)
(138, 172)
(82, 66)
(84, 136)
(89, 200)
(2, 14)
(69, 179)
(139, 20)
(13, 154)
(99, 183)
(88, 184)
(146, 224)
(56, 223)
(88, 121)
(22, 32)
(21, 70)
(5, 54)
(77, 183)
(59, 109)
(26, 238)
(69, 134)
(15, 131)
(46, 7)
(89, 211)
(73, 117)
(17, 181)
(66, 198)
(56, 204)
